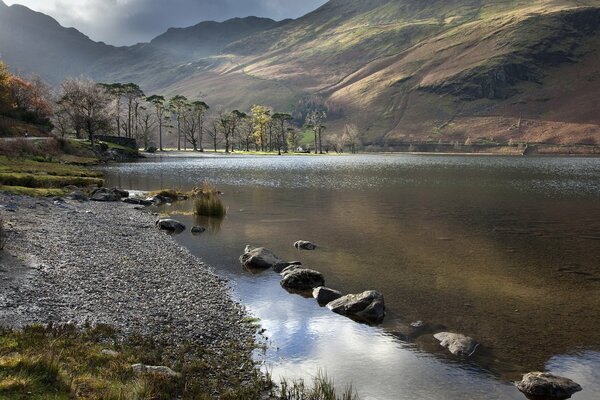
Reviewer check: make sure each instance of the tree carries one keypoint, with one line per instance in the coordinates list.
(293, 138)
(146, 121)
(177, 106)
(116, 91)
(133, 94)
(87, 104)
(281, 119)
(215, 133)
(261, 117)
(199, 109)
(351, 137)
(314, 121)
(159, 111)
(4, 93)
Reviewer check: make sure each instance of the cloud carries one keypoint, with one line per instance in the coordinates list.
(122, 22)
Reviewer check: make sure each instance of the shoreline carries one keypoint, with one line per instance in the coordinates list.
(106, 263)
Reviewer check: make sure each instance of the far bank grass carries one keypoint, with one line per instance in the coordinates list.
(40, 363)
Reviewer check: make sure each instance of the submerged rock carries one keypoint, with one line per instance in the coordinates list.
(542, 385)
(457, 344)
(297, 278)
(140, 369)
(170, 225)
(325, 295)
(367, 307)
(137, 201)
(304, 245)
(196, 230)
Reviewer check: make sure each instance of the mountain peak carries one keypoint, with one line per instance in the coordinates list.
(3, 4)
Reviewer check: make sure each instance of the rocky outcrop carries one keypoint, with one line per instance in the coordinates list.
(325, 295)
(367, 307)
(304, 245)
(457, 344)
(542, 385)
(141, 369)
(297, 278)
(170, 225)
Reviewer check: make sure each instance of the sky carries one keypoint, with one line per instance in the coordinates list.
(125, 22)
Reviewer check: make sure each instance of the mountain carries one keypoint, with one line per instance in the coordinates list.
(401, 70)
(210, 37)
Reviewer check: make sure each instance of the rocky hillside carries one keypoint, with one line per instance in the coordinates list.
(402, 70)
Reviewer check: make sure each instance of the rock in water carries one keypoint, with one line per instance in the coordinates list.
(326, 295)
(304, 245)
(137, 201)
(546, 386)
(366, 307)
(296, 278)
(260, 258)
(108, 195)
(197, 230)
(170, 225)
(457, 344)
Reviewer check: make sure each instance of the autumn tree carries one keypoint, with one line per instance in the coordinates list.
(261, 118)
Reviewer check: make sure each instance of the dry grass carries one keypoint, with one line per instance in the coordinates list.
(208, 202)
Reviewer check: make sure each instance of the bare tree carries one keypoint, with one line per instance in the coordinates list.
(86, 103)
(281, 119)
(159, 111)
(351, 137)
(314, 121)
(177, 106)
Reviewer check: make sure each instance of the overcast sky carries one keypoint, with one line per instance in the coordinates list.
(121, 22)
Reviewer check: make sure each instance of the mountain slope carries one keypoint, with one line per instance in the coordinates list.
(402, 70)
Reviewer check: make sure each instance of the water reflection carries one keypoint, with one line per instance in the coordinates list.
(502, 249)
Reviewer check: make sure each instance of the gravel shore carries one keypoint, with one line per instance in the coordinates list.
(107, 263)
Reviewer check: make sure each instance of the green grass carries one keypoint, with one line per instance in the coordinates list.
(31, 177)
(62, 362)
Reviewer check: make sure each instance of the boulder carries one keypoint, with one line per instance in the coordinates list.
(196, 230)
(297, 278)
(542, 385)
(138, 202)
(325, 295)
(141, 369)
(304, 245)
(170, 225)
(108, 195)
(366, 307)
(457, 344)
(159, 200)
(260, 258)
(282, 266)
(78, 195)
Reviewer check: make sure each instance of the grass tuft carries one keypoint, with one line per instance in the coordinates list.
(207, 202)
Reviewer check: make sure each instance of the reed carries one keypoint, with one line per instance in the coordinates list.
(208, 202)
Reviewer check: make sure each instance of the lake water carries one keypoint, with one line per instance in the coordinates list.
(506, 250)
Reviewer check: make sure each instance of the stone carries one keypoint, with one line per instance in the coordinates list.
(260, 258)
(367, 307)
(543, 385)
(198, 230)
(304, 245)
(297, 278)
(158, 200)
(141, 369)
(110, 353)
(325, 295)
(107, 195)
(170, 225)
(137, 201)
(78, 195)
(282, 266)
(457, 344)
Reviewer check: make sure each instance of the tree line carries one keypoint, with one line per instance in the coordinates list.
(81, 107)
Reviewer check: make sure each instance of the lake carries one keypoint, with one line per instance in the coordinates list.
(503, 249)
